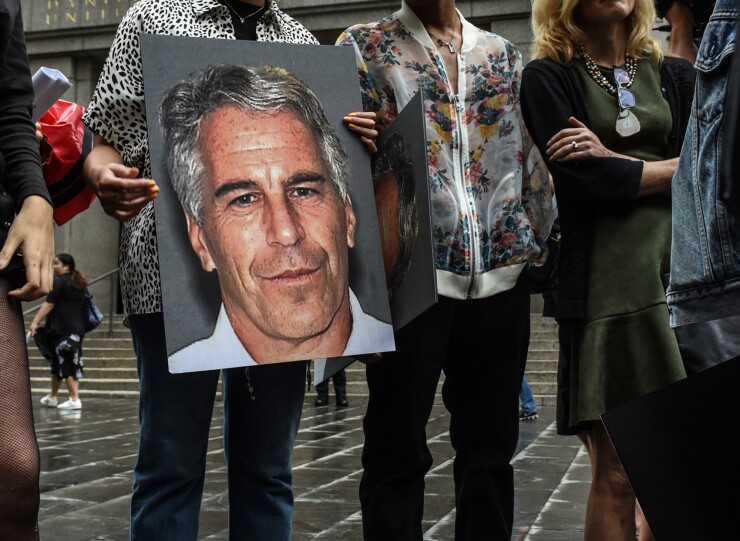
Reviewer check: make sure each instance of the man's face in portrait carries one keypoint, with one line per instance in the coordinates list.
(387, 197)
(274, 227)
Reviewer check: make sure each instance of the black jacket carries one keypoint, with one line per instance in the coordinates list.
(549, 97)
(20, 168)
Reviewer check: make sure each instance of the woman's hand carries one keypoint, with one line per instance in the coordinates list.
(122, 195)
(363, 124)
(33, 235)
(576, 143)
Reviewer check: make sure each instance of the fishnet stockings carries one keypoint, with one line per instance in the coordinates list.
(19, 451)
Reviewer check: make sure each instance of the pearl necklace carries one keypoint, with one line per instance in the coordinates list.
(630, 65)
(627, 123)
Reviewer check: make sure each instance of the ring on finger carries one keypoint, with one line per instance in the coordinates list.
(574, 144)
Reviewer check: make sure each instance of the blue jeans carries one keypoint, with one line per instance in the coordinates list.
(175, 416)
(526, 398)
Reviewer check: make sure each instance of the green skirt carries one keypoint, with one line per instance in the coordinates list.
(625, 347)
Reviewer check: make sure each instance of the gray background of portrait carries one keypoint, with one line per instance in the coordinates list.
(418, 291)
(191, 296)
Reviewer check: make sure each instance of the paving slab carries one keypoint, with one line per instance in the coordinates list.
(87, 460)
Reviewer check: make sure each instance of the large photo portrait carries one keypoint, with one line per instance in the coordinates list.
(400, 175)
(401, 187)
(266, 227)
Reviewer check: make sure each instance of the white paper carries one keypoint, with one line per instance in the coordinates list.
(49, 85)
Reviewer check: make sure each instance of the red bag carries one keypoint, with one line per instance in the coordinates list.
(67, 142)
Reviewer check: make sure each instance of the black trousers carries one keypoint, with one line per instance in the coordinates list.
(482, 347)
(340, 385)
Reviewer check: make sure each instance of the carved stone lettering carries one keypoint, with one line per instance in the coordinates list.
(75, 13)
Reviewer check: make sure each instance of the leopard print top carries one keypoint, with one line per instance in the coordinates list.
(117, 114)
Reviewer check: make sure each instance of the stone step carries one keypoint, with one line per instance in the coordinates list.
(543, 387)
(97, 340)
(85, 392)
(541, 376)
(110, 363)
(93, 372)
(544, 343)
(101, 384)
(542, 354)
(106, 353)
(542, 326)
(122, 334)
(102, 362)
(550, 365)
(536, 334)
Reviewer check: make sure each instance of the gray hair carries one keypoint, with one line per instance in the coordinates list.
(268, 89)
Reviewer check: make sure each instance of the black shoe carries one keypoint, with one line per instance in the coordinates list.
(528, 415)
(321, 401)
(342, 402)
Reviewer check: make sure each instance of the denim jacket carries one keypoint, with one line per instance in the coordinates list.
(705, 262)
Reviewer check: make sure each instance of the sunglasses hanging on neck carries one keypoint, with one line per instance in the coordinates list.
(627, 123)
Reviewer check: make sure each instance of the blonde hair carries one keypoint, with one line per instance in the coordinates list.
(556, 32)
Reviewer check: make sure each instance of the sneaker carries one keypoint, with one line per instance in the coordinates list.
(70, 405)
(528, 415)
(49, 402)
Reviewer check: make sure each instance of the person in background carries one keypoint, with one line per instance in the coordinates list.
(340, 390)
(609, 113)
(60, 340)
(262, 406)
(491, 212)
(528, 406)
(687, 20)
(25, 227)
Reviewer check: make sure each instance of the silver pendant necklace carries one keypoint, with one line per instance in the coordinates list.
(238, 15)
(449, 44)
(627, 123)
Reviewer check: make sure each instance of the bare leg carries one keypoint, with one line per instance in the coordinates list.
(643, 528)
(19, 452)
(73, 387)
(55, 384)
(610, 512)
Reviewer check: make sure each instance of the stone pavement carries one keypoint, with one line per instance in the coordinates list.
(87, 459)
